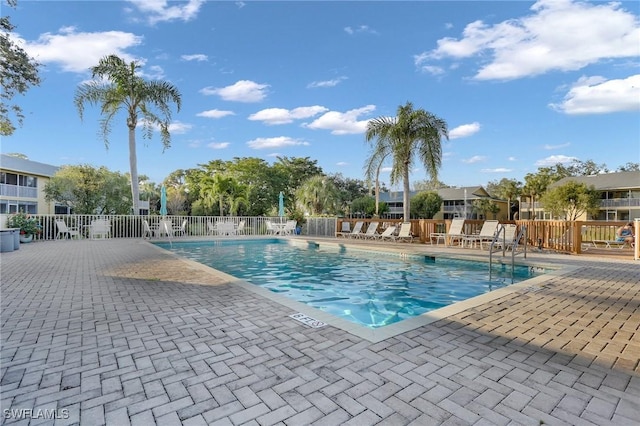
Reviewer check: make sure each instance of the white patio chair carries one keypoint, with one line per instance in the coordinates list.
(66, 231)
(100, 228)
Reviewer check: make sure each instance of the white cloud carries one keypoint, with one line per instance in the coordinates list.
(179, 128)
(153, 72)
(464, 130)
(555, 159)
(552, 147)
(342, 163)
(79, 51)
(560, 35)
(361, 29)
(176, 127)
(327, 83)
(386, 169)
(497, 170)
(240, 91)
(277, 142)
(596, 95)
(474, 159)
(215, 113)
(196, 57)
(283, 116)
(512, 159)
(343, 123)
(161, 11)
(218, 145)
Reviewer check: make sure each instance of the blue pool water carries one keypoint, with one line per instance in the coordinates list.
(369, 288)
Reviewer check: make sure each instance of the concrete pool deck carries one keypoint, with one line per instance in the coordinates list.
(120, 332)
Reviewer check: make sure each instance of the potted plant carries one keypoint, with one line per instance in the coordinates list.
(29, 226)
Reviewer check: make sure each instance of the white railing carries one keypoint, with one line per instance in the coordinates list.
(128, 226)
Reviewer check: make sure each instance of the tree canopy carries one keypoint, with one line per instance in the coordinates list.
(117, 86)
(18, 73)
(414, 135)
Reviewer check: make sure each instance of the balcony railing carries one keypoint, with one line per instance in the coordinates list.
(18, 191)
(611, 203)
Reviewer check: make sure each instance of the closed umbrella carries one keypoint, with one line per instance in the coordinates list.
(163, 201)
(281, 204)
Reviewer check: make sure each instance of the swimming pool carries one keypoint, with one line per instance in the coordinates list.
(373, 289)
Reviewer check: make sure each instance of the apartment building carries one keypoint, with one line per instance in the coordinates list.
(457, 202)
(22, 185)
(619, 197)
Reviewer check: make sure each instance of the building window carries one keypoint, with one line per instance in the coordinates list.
(14, 206)
(28, 181)
(9, 178)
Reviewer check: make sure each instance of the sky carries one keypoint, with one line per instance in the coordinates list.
(520, 84)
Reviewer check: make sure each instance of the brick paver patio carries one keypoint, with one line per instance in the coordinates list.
(119, 332)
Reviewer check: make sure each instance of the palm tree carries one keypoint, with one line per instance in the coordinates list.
(372, 171)
(116, 86)
(216, 188)
(318, 195)
(412, 133)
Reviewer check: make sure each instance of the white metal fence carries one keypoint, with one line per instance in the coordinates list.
(128, 226)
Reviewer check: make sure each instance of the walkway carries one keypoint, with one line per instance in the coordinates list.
(120, 332)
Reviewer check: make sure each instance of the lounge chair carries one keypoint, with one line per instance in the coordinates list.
(487, 232)
(66, 231)
(100, 228)
(372, 231)
(611, 244)
(345, 230)
(506, 240)
(454, 233)
(356, 231)
(387, 234)
(404, 234)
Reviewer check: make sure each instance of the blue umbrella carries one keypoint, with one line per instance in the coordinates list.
(163, 201)
(281, 204)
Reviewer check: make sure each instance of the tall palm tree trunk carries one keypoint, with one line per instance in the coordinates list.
(133, 166)
(405, 197)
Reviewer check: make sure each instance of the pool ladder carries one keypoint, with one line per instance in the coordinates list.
(514, 247)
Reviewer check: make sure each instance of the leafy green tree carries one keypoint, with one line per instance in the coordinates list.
(586, 168)
(89, 190)
(426, 204)
(176, 200)
(506, 189)
(571, 200)
(484, 206)
(367, 206)
(117, 86)
(348, 189)
(262, 184)
(536, 185)
(18, 72)
(429, 185)
(317, 195)
(411, 135)
(629, 167)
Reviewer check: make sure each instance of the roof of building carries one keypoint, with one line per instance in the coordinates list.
(605, 181)
(20, 165)
(447, 194)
